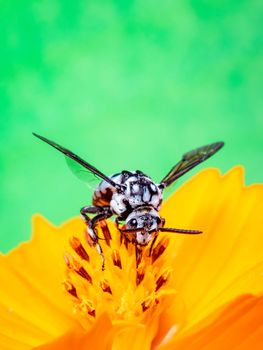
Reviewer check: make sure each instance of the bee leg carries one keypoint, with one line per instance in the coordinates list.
(91, 209)
(117, 223)
(104, 213)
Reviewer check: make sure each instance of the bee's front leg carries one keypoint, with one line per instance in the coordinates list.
(102, 214)
(91, 209)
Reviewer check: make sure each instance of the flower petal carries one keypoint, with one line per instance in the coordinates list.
(210, 270)
(32, 300)
(171, 320)
(237, 326)
(99, 337)
(230, 216)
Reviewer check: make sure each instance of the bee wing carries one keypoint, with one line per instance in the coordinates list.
(71, 157)
(90, 179)
(189, 161)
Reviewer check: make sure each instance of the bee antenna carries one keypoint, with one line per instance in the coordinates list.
(179, 230)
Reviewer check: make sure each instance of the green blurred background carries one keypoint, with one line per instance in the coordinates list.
(127, 85)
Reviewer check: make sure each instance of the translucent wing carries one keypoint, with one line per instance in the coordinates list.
(189, 161)
(81, 162)
(83, 174)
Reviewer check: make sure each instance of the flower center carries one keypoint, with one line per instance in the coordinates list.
(132, 283)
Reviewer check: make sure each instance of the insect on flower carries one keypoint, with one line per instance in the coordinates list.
(132, 196)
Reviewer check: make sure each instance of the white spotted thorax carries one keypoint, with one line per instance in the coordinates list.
(139, 190)
(138, 203)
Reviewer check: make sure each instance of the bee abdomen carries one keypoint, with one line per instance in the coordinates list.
(103, 193)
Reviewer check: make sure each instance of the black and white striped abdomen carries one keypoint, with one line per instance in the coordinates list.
(103, 193)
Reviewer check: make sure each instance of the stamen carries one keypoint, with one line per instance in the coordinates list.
(147, 304)
(69, 287)
(74, 265)
(88, 239)
(67, 260)
(126, 240)
(138, 255)
(162, 279)
(82, 272)
(139, 275)
(116, 258)
(78, 247)
(159, 249)
(91, 285)
(87, 307)
(106, 232)
(105, 286)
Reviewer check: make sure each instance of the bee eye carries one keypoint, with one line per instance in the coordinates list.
(133, 222)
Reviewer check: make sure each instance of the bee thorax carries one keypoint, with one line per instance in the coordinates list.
(139, 190)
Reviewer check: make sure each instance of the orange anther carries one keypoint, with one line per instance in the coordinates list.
(87, 307)
(80, 270)
(78, 247)
(69, 287)
(106, 232)
(138, 252)
(159, 249)
(147, 304)
(68, 260)
(139, 275)
(105, 286)
(162, 280)
(83, 273)
(88, 239)
(116, 258)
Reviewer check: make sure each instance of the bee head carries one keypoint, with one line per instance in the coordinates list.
(144, 221)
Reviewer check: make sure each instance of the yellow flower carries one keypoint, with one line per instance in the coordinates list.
(193, 292)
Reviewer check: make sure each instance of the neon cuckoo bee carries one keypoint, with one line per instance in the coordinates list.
(132, 196)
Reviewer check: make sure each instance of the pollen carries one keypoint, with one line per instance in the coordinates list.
(132, 284)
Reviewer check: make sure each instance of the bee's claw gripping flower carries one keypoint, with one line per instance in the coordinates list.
(190, 293)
